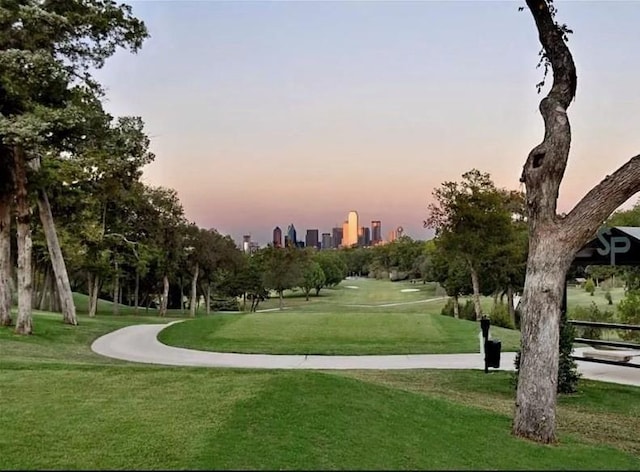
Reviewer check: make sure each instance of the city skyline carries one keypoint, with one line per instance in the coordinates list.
(278, 112)
(372, 233)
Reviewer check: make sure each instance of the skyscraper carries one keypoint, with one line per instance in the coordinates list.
(326, 241)
(352, 224)
(376, 231)
(336, 237)
(365, 237)
(246, 242)
(345, 234)
(277, 237)
(291, 234)
(311, 239)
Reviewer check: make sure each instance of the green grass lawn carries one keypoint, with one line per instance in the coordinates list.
(67, 408)
(333, 333)
(139, 417)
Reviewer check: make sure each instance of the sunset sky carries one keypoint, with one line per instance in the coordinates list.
(271, 113)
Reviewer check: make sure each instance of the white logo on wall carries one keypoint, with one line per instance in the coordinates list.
(615, 244)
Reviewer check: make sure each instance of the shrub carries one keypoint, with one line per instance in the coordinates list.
(629, 311)
(607, 296)
(591, 313)
(500, 316)
(467, 311)
(226, 304)
(589, 287)
(447, 309)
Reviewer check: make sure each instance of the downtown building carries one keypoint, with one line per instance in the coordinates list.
(311, 239)
(277, 237)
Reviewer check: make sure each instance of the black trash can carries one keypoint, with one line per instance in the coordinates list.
(493, 348)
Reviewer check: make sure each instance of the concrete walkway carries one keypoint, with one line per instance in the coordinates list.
(139, 343)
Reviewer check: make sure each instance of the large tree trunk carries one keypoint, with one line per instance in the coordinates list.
(57, 260)
(5, 259)
(194, 291)
(476, 292)
(165, 296)
(535, 416)
(24, 323)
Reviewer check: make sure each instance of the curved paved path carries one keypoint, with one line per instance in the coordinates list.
(139, 343)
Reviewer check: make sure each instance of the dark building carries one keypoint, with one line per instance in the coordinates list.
(326, 241)
(376, 232)
(291, 234)
(277, 237)
(311, 239)
(336, 237)
(364, 236)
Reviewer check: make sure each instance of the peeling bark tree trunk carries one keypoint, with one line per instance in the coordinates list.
(476, 292)
(554, 240)
(456, 307)
(24, 323)
(5, 260)
(280, 293)
(194, 291)
(57, 260)
(165, 296)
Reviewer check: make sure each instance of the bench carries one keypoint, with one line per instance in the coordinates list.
(620, 356)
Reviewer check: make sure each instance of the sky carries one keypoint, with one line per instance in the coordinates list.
(263, 114)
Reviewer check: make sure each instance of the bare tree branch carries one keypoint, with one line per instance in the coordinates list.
(603, 199)
(124, 238)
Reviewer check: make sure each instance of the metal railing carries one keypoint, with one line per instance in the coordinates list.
(600, 342)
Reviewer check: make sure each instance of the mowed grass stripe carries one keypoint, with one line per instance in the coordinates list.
(332, 333)
(115, 418)
(372, 427)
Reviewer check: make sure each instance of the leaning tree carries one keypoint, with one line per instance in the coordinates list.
(48, 51)
(554, 239)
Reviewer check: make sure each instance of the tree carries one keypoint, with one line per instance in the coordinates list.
(589, 287)
(333, 268)
(312, 277)
(282, 269)
(472, 221)
(47, 49)
(554, 239)
(452, 273)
